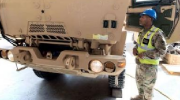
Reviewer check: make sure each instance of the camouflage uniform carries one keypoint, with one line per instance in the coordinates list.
(146, 74)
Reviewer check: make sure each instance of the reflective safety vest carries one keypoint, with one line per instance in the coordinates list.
(145, 45)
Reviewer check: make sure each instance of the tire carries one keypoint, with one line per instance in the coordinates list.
(121, 79)
(45, 75)
(117, 89)
(117, 93)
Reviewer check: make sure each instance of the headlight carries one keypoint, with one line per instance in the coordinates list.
(121, 64)
(4, 54)
(96, 66)
(109, 66)
(10, 56)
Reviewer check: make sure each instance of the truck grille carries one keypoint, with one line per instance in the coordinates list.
(50, 37)
(46, 27)
(36, 28)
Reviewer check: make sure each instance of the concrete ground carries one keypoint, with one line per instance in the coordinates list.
(24, 85)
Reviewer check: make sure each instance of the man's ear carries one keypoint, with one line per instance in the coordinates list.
(150, 19)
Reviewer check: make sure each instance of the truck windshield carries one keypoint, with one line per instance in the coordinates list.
(146, 0)
(139, 3)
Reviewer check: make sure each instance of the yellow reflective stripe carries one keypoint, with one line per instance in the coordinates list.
(150, 58)
(151, 31)
(145, 47)
(150, 38)
(149, 61)
(150, 35)
(140, 50)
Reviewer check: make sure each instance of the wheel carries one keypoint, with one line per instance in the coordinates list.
(117, 87)
(121, 79)
(117, 93)
(45, 75)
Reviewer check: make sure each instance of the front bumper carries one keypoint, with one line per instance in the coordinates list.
(57, 65)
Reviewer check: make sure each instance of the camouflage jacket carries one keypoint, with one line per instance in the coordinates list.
(158, 41)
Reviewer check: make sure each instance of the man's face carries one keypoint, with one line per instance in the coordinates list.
(143, 20)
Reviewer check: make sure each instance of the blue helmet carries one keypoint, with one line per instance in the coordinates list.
(150, 12)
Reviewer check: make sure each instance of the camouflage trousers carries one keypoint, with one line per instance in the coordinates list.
(145, 79)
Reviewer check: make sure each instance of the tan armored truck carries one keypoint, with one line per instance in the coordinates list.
(79, 37)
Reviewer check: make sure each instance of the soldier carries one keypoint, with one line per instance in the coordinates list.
(150, 45)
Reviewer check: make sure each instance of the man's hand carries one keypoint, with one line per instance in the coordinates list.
(140, 55)
(135, 52)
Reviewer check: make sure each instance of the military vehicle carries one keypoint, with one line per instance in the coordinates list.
(79, 37)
